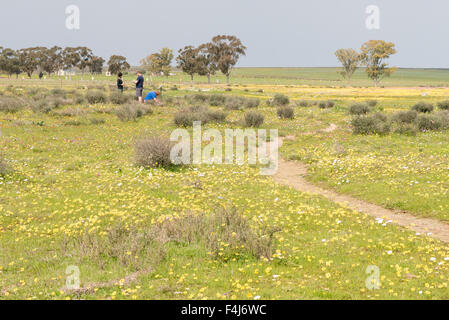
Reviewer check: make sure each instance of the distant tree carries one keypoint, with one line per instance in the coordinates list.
(52, 60)
(85, 60)
(9, 62)
(71, 58)
(159, 62)
(373, 56)
(117, 63)
(350, 60)
(96, 64)
(189, 60)
(206, 63)
(225, 51)
(30, 59)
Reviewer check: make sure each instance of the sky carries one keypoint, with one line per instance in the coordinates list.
(281, 33)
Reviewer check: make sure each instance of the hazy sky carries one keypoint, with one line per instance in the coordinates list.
(281, 33)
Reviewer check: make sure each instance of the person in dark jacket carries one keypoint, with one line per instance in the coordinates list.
(120, 82)
(139, 86)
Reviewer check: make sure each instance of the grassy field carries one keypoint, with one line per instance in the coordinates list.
(75, 197)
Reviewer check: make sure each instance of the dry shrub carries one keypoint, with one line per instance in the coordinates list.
(280, 100)
(119, 98)
(404, 116)
(132, 111)
(443, 105)
(370, 124)
(225, 226)
(153, 152)
(253, 119)
(430, 122)
(326, 104)
(96, 96)
(423, 107)
(359, 109)
(4, 167)
(186, 116)
(71, 112)
(286, 112)
(217, 100)
(10, 104)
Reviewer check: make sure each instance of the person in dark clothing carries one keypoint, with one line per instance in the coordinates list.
(120, 82)
(139, 86)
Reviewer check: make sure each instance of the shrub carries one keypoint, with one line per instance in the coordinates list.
(423, 107)
(406, 129)
(186, 116)
(132, 111)
(304, 103)
(234, 103)
(10, 104)
(326, 104)
(153, 152)
(252, 103)
(96, 96)
(253, 119)
(70, 112)
(78, 99)
(359, 109)
(443, 105)
(371, 103)
(198, 97)
(119, 98)
(280, 100)
(429, 122)
(4, 167)
(286, 112)
(405, 116)
(217, 100)
(216, 116)
(370, 124)
(58, 92)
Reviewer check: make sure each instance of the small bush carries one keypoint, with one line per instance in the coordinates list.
(234, 103)
(443, 105)
(10, 104)
(326, 104)
(406, 129)
(153, 152)
(286, 112)
(132, 111)
(371, 103)
(119, 98)
(96, 96)
(186, 116)
(59, 92)
(254, 119)
(252, 103)
(280, 100)
(423, 107)
(429, 122)
(359, 109)
(71, 112)
(370, 124)
(304, 103)
(4, 167)
(217, 100)
(216, 116)
(405, 116)
(198, 97)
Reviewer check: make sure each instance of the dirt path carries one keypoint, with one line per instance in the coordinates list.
(292, 173)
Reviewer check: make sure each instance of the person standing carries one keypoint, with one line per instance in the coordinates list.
(139, 86)
(120, 82)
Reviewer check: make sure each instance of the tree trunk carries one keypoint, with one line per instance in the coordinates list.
(227, 78)
(208, 78)
(375, 82)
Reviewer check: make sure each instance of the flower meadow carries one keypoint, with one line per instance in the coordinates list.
(75, 197)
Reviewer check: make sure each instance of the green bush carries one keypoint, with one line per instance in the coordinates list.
(96, 96)
(404, 116)
(153, 152)
(285, 112)
(443, 105)
(234, 103)
(216, 116)
(423, 107)
(430, 122)
(359, 109)
(304, 103)
(254, 119)
(186, 116)
(370, 124)
(280, 100)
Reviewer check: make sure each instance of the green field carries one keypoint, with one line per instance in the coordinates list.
(74, 195)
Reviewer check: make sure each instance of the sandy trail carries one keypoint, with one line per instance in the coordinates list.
(292, 173)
